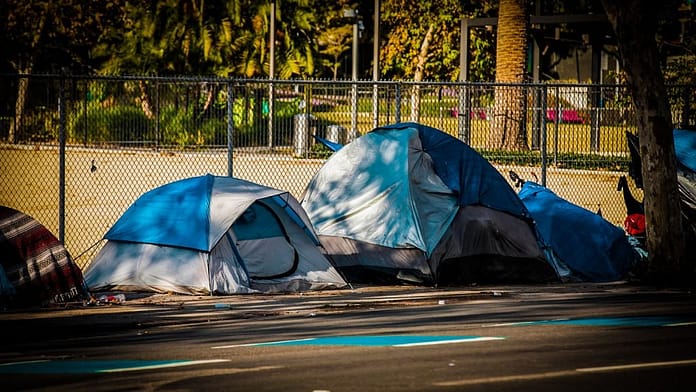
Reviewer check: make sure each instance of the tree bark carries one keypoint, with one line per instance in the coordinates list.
(145, 100)
(22, 95)
(635, 25)
(508, 123)
(23, 83)
(418, 74)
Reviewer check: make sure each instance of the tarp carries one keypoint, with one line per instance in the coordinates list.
(591, 247)
(35, 267)
(685, 151)
(212, 235)
(388, 199)
(685, 148)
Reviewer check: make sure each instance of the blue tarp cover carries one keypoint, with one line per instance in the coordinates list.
(192, 213)
(153, 220)
(685, 147)
(593, 248)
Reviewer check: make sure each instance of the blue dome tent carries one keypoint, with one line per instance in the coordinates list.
(410, 203)
(212, 235)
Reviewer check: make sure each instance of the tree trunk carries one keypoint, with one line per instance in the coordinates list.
(145, 100)
(635, 25)
(508, 120)
(23, 83)
(22, 95)
(418, 74)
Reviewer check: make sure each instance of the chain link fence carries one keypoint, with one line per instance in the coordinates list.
(76, 152)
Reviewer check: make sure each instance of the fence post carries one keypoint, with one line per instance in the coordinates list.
(271, 98)
(463, 117)
(230, 128)
(354, 111)
(375, 106)
(594, 118)
(397, 103)
(85, 127)
(536, 117)
(542, 130)
(61, 159)
(157, 118)
(556, 119)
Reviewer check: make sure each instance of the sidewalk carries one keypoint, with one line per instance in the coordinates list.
(148, 307)
(141, 313)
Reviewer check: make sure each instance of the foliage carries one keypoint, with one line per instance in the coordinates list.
(677, 41)
(41, 125)
(109, 124)
(482, 61)
(407, 31)
(230, 38)
(335, 37)
(52, 35)
(563, 160)
(166, 37)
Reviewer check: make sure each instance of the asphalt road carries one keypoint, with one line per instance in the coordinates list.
(614, 337)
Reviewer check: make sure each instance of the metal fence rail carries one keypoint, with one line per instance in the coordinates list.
(76, 151)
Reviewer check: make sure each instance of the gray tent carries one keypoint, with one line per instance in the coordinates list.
(409, 203)
(212, 235)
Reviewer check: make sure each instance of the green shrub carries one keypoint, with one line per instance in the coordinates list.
(255, 133)
(119, 124)
(182, 128)
(561, 160)
(176, 127)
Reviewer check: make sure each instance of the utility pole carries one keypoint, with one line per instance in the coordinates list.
(375, 68)
(352, 14)
(271, 72)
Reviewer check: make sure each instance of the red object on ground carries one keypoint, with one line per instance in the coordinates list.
(634, 224)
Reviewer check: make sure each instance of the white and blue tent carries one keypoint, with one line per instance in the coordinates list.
(212, 235)
(410, 203)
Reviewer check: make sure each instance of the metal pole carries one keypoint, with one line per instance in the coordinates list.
(556, 120)
(84, 114)
(61, 161)
(375, 68)
(543, 135)
(354, 89)
(397, 103)
(271, 73)
(230, 129)
(463, 108)
(157, 111)
(464, 51)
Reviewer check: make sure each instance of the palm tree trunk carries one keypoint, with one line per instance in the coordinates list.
(508, 129)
